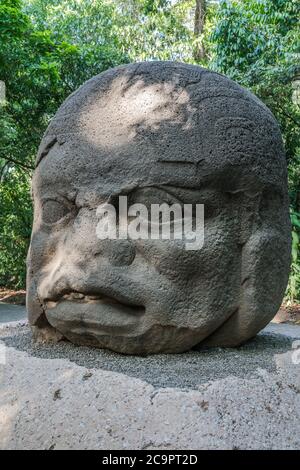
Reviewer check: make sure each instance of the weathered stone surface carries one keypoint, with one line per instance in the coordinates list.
(159, 132)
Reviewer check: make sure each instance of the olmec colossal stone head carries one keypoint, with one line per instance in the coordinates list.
(159, 132)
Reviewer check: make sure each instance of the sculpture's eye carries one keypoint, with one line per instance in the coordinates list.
(54, 211)
(154, 195)
(148, 196)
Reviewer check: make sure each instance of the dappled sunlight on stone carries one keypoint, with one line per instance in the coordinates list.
(125, 110)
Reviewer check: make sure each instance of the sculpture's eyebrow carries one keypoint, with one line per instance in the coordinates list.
(181, 162)
(48, 142)
(176, 172)
(44, 152)
(203, 190)
(188, 195)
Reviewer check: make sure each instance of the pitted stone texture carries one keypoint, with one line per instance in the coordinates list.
(159, 132)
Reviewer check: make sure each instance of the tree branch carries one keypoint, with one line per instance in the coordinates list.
(289, 116)
(16, 162)
(199, 22)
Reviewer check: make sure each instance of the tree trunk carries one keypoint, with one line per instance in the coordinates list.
(199, 52)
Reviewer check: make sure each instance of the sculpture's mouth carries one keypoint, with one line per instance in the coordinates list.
(78, 311)
(81, 298)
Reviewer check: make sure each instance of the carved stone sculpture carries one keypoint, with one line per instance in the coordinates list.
(159, 132)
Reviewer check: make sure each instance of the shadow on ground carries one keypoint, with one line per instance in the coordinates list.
(187, 370)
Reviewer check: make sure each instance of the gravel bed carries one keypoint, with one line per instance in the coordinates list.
(187, 370)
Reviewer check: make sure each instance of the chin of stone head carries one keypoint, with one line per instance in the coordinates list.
(159, 132)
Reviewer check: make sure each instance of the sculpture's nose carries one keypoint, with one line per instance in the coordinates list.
(121, 252)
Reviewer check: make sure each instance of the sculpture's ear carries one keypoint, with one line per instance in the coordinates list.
(264, 276)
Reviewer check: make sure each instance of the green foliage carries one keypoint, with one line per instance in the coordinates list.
(87, 27)
(15, 222)
(294, 281)
(40, 69)
(257, 43)
(155, 29)
(137, 29)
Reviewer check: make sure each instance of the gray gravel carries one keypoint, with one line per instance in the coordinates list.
(187, 370)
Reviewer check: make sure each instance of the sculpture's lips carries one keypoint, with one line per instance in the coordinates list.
(79, 312)
(80, 298)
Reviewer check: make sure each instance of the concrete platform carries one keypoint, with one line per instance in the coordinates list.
(12, 313)
(67, 397)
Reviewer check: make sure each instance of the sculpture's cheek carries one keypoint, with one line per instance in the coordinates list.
(173, 259)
